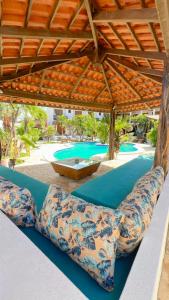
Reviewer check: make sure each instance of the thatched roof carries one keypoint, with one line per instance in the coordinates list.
(82, 54)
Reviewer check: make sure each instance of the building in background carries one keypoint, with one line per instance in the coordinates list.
(53, 114)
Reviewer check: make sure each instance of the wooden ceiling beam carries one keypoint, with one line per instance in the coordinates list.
(117, 35)
(61, 100)
(7, 99)
(80, 78)
(133, 67)
(106, 82)
(123, 78)
(66, 101)
(137, 54)
(39, 59)
(54, 12)
(104, 38)
(34, 69)
(28, 12)
(143, 101)
(163, 12)
(143, 15)
(156, 41)
(27, 33)
(92, 25)
(100, 92)
(72, 20)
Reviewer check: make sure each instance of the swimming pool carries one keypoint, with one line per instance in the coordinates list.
(88, 149)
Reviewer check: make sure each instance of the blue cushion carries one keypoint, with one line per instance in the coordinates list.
(111, 188)
(37, 188)
(76, 274)
(118, 182)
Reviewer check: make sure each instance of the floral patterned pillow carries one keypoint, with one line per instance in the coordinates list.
(17, 203)
(137, 209)
(87, 233)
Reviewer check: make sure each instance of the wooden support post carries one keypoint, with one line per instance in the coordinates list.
(112, 134)
(162, 149)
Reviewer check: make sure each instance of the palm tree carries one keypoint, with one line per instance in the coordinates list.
(79, 125)
(90, 124)
(62, 121)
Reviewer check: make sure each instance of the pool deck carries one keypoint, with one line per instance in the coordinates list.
(38, 166)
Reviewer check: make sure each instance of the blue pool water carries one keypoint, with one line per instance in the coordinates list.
(88, 149)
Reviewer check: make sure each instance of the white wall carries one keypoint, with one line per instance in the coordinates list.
(69, 113)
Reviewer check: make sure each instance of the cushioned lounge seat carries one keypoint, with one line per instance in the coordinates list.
(37, 188)
(76, 274)
(111, 188)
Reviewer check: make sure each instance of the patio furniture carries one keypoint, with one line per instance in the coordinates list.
(75, 168)
(74, 272)
(119, 181)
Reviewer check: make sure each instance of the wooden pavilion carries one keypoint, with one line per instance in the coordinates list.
(101, 55)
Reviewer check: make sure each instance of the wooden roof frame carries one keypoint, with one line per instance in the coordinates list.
(111, 56)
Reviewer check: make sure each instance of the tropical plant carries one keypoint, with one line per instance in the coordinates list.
(29, 117)
(28, 143)
(141, 124)
(49, 132)
(152, 134)
(122, 126)
(103, 131)
(9, 114)
(90, 126)
(14, 151)
(79, 125)
(62, 121)
(4, 137)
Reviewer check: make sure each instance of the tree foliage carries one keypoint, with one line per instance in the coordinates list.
(152, 134)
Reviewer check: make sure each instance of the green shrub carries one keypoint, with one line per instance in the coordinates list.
(152, 135)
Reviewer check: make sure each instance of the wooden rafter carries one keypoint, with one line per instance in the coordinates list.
(80, 78)
(11, 31)
(133, 67)
(118, 5)
(70, 47)
(150, 25)
(134, 36)
(163, 12)
(152, 30)
(100, 92)
(54, 12)
(117, 35)
(86, 44)
(28, 12)
(34, 69)
(102, 35)
(123, 78)
(92, 25)
(137, 53)
(61, 100)
(106, 82)
(72, 20)
(131, 103)
(127, 15)
(39, 59)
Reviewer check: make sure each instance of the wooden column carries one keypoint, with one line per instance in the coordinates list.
(112, 134)
(162, 149)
